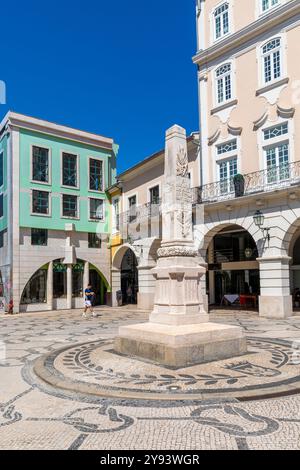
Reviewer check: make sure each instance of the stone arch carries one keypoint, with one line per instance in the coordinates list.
(38, 266)
(45, 266)
(208, 233)
(119, 254)
(290, 237)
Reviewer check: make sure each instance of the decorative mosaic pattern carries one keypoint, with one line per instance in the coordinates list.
(35, 415)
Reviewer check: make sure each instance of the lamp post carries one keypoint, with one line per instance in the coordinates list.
(259, 220)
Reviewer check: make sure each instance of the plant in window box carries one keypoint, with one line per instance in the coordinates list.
(239, 185)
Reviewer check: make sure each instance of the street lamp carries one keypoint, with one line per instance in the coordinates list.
(259, 220)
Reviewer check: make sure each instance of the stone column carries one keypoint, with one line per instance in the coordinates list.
(50, 286)
(86, 276)
(275, 295)
(69, 287)
(115, 285)
(146, 287)
(179, 332)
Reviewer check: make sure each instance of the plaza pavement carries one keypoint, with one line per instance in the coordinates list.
(36, 415)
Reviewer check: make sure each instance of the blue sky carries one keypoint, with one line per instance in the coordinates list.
(118, 68)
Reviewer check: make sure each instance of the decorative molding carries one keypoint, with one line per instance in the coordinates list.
(234, 130)
(261, 121)
(177, 251)
(214, 137)
(226, 105)
(248, 33)
(272, 86)
(182, 163)
(285, 113)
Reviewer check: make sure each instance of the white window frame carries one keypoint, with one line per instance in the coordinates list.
(103, 174)
(36, 214)
(271, 53)
(216, 80)
(227, 155)
(270, 8)
(113, 214)
(48, 183)
(77, 169)
(103, 209)
(61, 206)
(227, 161)
(213, 21)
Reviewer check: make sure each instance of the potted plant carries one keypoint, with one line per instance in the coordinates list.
(239, 185)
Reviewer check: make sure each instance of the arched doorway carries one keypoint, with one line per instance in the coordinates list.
(233, 270)
(295, 270)
(129, 278)
(50, 287)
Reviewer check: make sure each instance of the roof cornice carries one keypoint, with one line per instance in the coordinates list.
(258, 27)
(22, 121)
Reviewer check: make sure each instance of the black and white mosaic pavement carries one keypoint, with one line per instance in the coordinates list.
(35, 414)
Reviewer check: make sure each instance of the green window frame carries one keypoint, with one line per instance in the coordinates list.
(69, 170)
(39, 237)
(40, 202)
(96, 209)
(1, 168)
(40, 164)
(94, 240)
(70, 206)
(96, 175)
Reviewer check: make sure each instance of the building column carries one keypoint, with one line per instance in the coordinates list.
(50, 286)
(146, 293)
(69, 286)
(211, 274)
(86, 275)
(115, 285)
(275, 294)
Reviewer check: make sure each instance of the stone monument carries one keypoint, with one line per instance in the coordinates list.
(179, 332)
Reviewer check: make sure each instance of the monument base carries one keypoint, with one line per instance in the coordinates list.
(181, 346)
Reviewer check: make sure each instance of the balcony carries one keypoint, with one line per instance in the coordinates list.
(141, 222)
(272, 179)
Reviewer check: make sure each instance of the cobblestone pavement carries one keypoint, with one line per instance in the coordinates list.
(34, 415)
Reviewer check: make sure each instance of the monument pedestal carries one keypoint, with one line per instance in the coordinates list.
(181, 346)
(179, 333)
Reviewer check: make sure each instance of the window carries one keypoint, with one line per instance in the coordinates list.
(1, 169)
(221, 20)
(268, 4)
(115, 215)
(227, 170)
(154, 195)
(40, 164)
(69, 169)
(276, 131)
(2, 238)
(96, 175)
(77, 279)
(223, 83)
(94, 240)
(132, 208)
(272, 60)
(1, 205)
(227, 147)
(96, 209)
(36, 290)
(70, 206)
(40, 202)
(39, 237)
(277, 159)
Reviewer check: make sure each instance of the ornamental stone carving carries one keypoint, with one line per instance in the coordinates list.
(172, 251)
(182, 163)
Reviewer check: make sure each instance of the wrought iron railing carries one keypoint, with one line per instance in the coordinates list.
(141, 222)
(271, 179)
